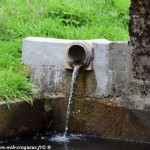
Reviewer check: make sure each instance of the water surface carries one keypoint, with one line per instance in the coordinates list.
(75, 142)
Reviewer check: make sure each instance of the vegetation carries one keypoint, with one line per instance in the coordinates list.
(69, 19)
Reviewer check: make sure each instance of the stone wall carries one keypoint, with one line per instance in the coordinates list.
(47, 57)
(23, 119)
(111, 73)
(103, 117)
(111, 84)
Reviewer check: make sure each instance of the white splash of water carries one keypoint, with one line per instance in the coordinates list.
(64, 138)
(60, 138)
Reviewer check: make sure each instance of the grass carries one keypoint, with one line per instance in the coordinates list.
(67, 19)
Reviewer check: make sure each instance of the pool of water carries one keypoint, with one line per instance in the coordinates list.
(71, 142)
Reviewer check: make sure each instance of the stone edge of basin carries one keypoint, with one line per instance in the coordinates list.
(102, 118)
(22, 118)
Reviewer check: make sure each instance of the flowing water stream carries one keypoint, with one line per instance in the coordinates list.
(73, 81)
(64, 138)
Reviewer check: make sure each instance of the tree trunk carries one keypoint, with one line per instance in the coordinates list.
(139, 29)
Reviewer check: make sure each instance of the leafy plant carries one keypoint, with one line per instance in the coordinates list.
(70, 16)
(14, 86)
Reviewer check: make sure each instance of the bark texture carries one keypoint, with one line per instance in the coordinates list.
(139, 29)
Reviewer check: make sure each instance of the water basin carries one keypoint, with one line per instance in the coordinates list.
(73, 142)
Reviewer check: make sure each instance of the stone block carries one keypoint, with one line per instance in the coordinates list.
(103, 117)
(47, 57)
(118, 83)
(22, 118)
(117, 58)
